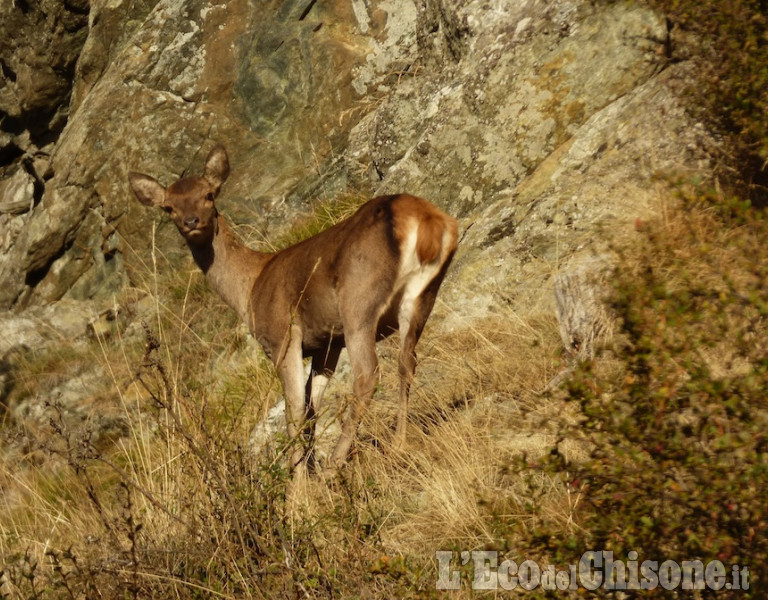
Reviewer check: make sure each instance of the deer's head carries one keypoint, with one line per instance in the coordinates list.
(188, 201)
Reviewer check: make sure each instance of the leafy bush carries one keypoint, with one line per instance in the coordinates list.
(677, 422)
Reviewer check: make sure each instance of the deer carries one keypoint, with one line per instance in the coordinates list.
(353, 284)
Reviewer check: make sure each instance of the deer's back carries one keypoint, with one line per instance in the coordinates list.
(352, 266)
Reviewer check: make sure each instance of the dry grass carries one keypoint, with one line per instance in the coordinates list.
(320, 217)
(181, 503)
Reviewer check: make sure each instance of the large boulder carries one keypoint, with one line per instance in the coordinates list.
(538, 122)
(156, 85)
(39, 46)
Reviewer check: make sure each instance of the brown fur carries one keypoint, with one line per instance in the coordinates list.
(347, 286)
(430, 239)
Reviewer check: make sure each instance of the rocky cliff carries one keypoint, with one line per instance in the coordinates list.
(541, 124)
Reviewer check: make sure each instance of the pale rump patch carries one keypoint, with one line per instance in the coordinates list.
(416, 272)
(435, 232)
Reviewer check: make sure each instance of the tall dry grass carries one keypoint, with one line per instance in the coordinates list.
(182, 506)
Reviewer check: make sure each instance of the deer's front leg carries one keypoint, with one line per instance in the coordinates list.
(290, 366)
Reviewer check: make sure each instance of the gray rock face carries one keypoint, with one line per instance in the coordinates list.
(538, 123)
(488, 110)
(155, 85)
(39, 45)
(17, 189)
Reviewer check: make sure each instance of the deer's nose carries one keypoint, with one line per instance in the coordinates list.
(191, 222)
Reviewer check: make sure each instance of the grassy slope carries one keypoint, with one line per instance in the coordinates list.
(182, 504)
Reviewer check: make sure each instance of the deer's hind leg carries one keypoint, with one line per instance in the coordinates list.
(416, 304)
(361, 346)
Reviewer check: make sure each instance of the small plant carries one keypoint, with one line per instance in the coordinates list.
(677, 426)
(323, 215)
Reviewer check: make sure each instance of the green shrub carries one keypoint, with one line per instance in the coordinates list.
(678, 423)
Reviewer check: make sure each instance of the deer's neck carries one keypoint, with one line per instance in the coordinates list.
(230, 267)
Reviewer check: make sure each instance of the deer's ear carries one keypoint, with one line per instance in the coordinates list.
(148, 191)
(217, 166)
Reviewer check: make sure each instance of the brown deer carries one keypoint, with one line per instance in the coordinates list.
(355, 283)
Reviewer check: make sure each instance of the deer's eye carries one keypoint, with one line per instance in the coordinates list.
(168, 209)
(209, 197)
